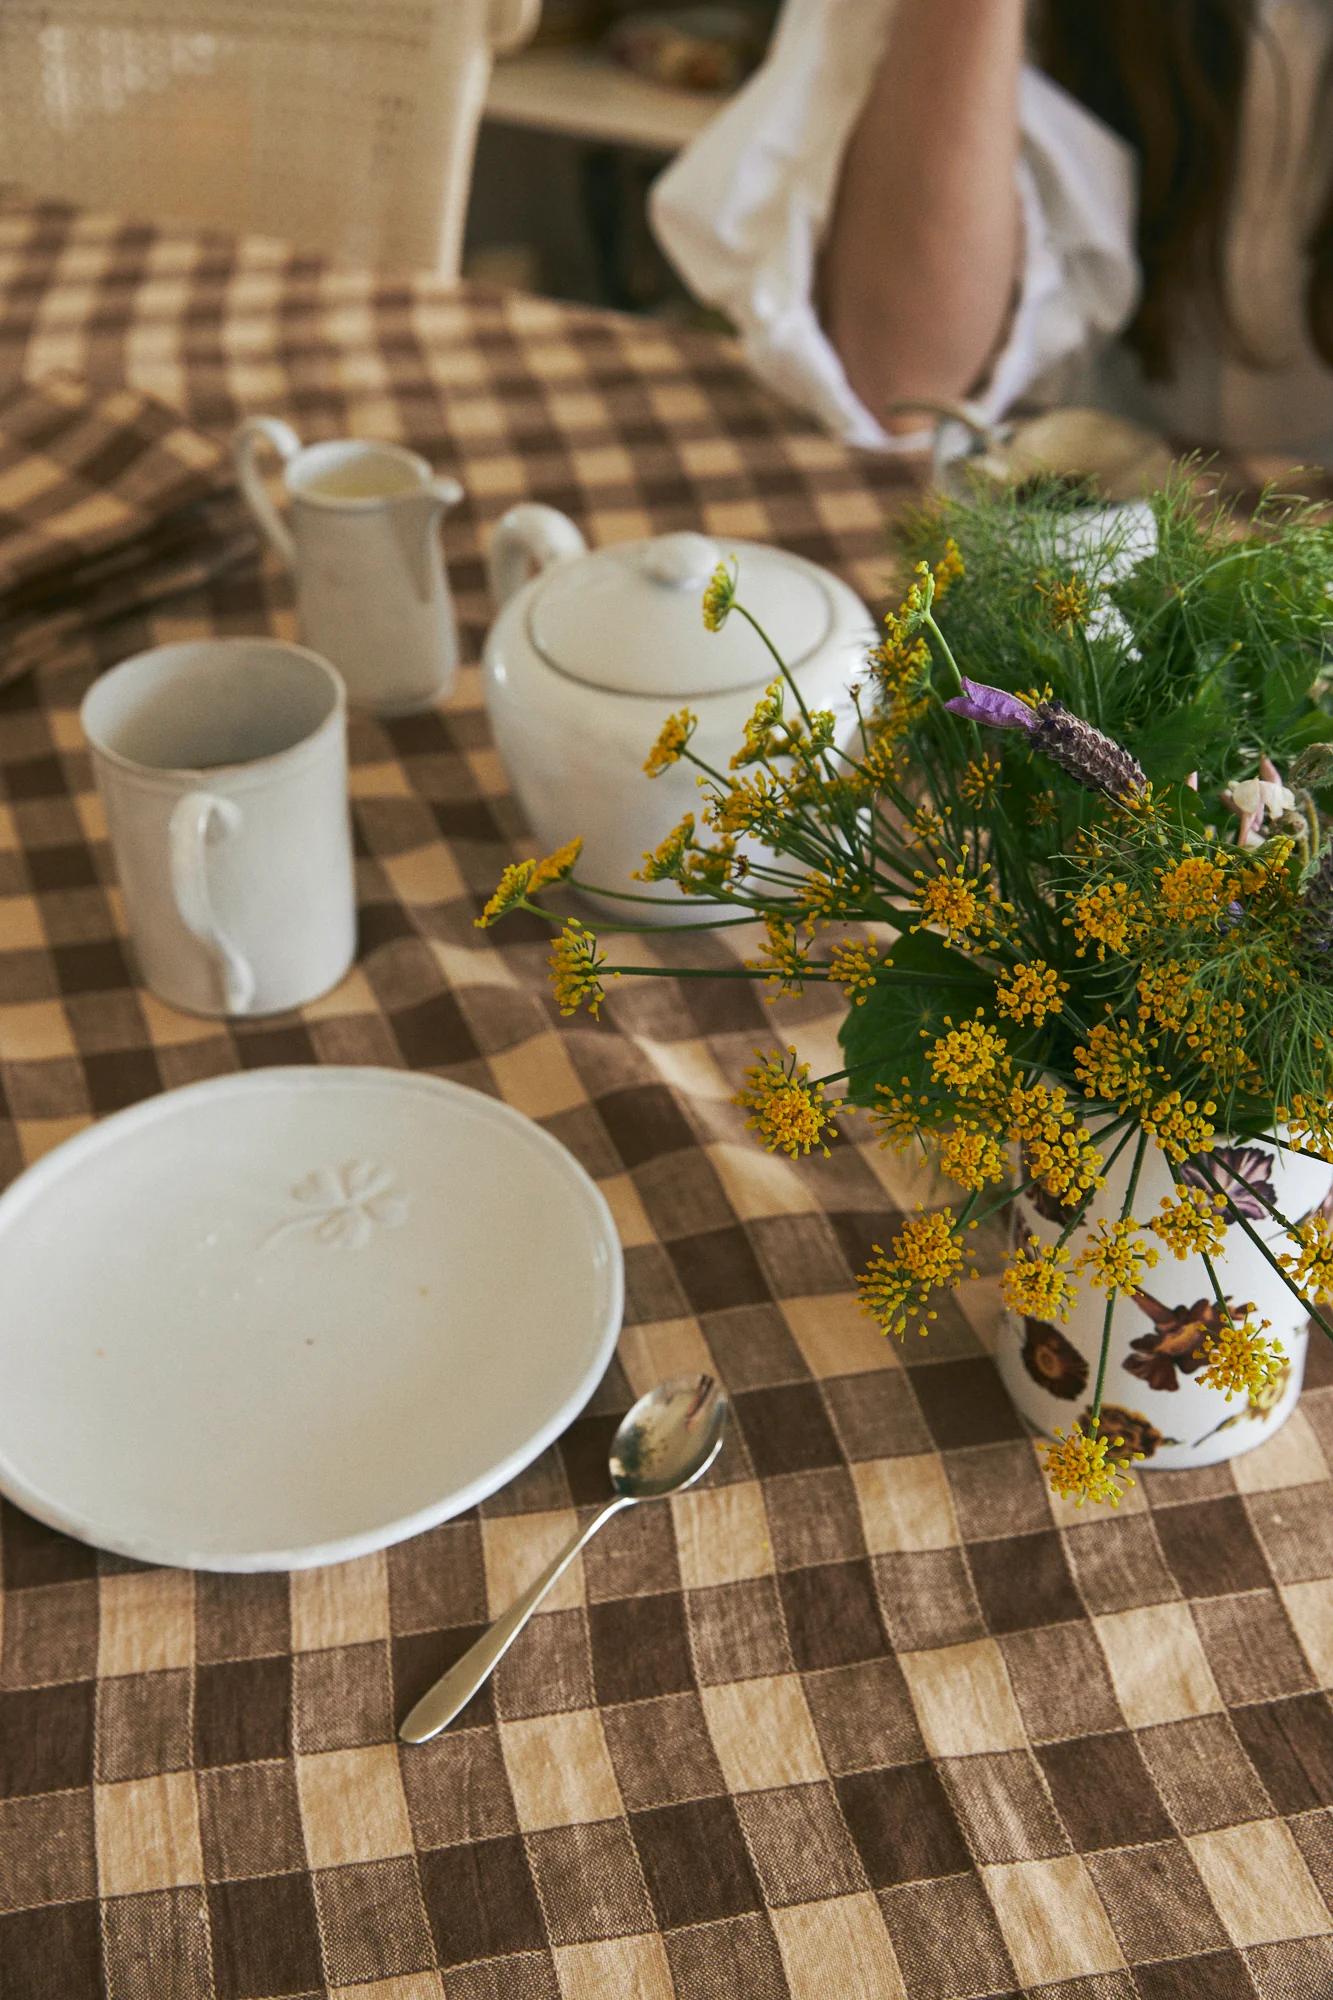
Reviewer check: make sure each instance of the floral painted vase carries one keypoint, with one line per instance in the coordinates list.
(1153, 1397)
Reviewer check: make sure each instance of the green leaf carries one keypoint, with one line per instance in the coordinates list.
(883, 1039)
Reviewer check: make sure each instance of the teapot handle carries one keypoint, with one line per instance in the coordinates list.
(269, 430)
(528, 538)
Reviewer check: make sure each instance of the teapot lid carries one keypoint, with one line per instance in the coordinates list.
(630, 618)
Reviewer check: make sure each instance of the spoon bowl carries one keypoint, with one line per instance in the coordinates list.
(670, 1437)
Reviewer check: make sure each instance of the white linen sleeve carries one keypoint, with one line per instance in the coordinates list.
(743, 211)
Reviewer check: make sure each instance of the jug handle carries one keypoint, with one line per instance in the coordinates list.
(528, 538)
(265, 430)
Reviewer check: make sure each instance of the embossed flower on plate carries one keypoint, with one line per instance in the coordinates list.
(346, 1204)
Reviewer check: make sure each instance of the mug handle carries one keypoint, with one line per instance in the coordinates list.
(198, 821)
(266, 430)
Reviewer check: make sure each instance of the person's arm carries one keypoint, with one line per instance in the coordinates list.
(924, 245)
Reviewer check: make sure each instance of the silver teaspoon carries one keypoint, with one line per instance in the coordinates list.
(668, 1440)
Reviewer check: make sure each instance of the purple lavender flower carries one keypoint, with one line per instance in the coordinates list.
(1089, 757)
(980, 703)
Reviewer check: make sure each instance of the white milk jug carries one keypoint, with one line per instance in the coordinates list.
(371, 591)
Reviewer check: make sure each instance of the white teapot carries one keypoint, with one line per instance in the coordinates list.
(590, 654)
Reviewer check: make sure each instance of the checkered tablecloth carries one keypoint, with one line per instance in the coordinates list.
(867, 1716)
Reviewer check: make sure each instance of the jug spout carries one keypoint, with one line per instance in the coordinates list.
(415, 517)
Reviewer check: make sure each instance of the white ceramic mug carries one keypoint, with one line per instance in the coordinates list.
(223, 768)
(364, 548)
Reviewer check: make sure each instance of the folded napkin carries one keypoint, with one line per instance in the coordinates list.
(109, 503)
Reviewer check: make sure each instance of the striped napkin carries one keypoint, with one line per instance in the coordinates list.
(110, 503)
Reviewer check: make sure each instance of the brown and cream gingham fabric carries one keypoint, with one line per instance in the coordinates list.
(108, 501)
(869, 1716)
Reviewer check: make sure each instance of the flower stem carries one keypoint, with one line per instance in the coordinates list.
(1105, 1352)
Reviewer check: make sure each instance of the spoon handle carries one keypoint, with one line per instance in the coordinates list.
(440, 1704)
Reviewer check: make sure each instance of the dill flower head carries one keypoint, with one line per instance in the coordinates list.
(1240, 1359)
(1114, 1065)
(663, 862)
(1310, 1265)
(508, 893)
(554, 867)
(897, 1286)
(719, 597)
(576, 967)
(670, 746)
(1035, 1283)
(1309, 1122)
(898, 1117)
(926, 826)
(854, 966)
(1108, 916)
(782, 958)
(1080, 1467)
(972, 1157)
(948, 569)
(1193, 892)
(759, 727)
(980, 782)
(1115, 1256)
(1030, 992)
(1068, 600)
(788, 1113)
(957, 903)
(970, 1058)
(1180, 1125)
(1193, 1224)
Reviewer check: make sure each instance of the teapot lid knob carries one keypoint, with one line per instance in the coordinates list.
(683, 560)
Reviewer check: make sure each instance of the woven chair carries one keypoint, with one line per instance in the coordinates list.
(344, 126)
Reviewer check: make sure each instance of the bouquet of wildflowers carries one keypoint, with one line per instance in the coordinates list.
(1069, 871)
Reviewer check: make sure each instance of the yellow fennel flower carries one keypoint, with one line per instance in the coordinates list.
(576, 966)
(854, 966)
(980, 782)
(897, 1286)
(509, 893)
(554, 867)
(1115, 1257)
(1195, 891)
(1114, 1065)
(1180, 1125)
(663, 862)
(972, 1057)
(1079, 1467)
(719, 597)
(972, 1157)
(1107, 916)
(788, 1113)
(1068, 600)
(1310, 1266)
(926, 826)
(783, 961)
(1193, 1224)
(1241, 1360)
(1035, 1283)
(1031, 992)
(670, 746)
(957, 903)
(897, 1119)
(1058, 1153)
(948, 569)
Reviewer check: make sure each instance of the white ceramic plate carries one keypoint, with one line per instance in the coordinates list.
(283, 1318)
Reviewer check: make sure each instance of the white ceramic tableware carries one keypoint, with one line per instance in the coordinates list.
(289, 1316)
(590, 654)
(222, 764)
(364, 545)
